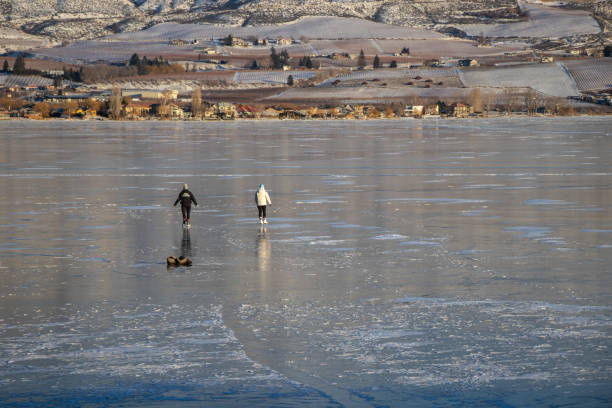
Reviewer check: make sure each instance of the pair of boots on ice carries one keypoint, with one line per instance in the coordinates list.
(262, 199)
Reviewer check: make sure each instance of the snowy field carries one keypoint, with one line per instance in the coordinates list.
(374, 94)
(543, 22)
(420, 48)
(395, 73)
(436, 48)
(551, 79)
(407, 263)
(595, 73)
(116, 51)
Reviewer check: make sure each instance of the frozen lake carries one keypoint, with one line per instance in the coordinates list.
(406, 263)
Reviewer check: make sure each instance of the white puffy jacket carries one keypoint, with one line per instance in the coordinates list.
(262, 197)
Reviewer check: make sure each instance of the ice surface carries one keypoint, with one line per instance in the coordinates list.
(405, 263)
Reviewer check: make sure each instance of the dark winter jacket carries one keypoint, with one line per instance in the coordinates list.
(186, 197)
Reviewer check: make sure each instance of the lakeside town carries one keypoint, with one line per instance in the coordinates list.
(35, 94)
(320, 68)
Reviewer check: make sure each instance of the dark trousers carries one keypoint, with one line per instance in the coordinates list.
(186, 210)
(262, 211)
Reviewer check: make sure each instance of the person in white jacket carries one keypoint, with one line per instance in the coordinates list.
(262, 199)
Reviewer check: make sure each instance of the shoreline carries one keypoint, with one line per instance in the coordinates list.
(103, 119)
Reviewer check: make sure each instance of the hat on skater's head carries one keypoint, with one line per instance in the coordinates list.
(185, 186)
(261, 186)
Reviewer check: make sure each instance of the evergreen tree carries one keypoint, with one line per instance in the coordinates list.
(134, 60)
(284, 58)
(393, 64)
(228, 41)
(361, 61)
(19, 67)
(376, 63)
(290, 80)
(275, 58)
(308, 62)
(608, 51)
(405, 51)
(254, 65)
(5, 66)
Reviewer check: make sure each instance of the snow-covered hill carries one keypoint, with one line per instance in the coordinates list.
(84, 19)
(78, 19)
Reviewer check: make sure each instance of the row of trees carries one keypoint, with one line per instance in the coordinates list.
(102, 72)
(19, 67)
(134, 67)
(282, 59)
(279, 60)
(376, 63)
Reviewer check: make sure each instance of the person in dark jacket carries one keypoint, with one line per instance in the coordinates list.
(186, 197)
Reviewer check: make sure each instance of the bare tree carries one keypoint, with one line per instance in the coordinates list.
(196, 102)
(164, 105)
(43, 108)
(475, 100)
(511, 99)
(92, 104)
(530, 101)
(70, 107)
(489, 101)
(115, 102)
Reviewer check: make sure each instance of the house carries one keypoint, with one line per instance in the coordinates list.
(461, 110)
(175, 111)
(335, 113)
(467, 62)
(284, 41)
(547, 59)
(373, 113)
(413, 110)
(271, 113)
(246, 111)
(170, 110)
(226, 110)
(240, 42)
(208, 51)
(210, 113)
(78, 97)
(293, 114)
(340, 56)
(432, 110)
(137, 109)
(150, 93)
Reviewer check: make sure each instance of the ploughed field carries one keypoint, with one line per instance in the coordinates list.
(406, 263)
